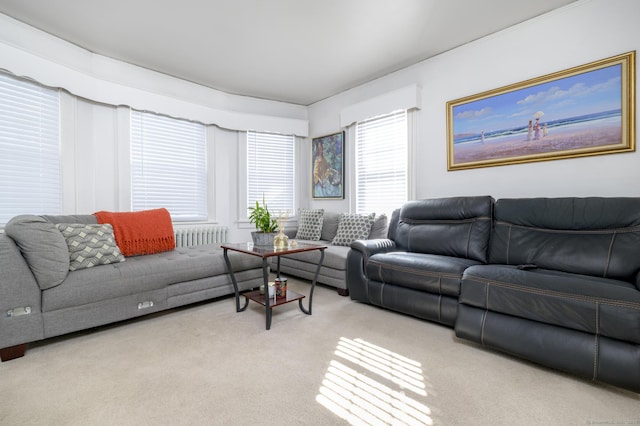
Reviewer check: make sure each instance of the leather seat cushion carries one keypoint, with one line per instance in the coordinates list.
(595, 305)
(420, 271)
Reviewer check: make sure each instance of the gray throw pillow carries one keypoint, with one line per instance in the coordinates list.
(90, 245)
(329, 225)
(353, 227)
(42, 246)
(310, 224)
(379, 228)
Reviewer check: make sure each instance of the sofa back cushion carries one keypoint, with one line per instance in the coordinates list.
(330, 221)
(393, 225)
(380, 227)
(592, 236)
(455, 226)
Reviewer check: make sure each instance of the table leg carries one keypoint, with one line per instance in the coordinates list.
(313, 285)
(267, 299)
(235, 284)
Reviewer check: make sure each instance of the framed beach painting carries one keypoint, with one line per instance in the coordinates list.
(582, 111)
(327, 166)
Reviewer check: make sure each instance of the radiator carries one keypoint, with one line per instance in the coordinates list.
(199, 235)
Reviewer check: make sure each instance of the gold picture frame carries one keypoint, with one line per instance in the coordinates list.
(583, 111)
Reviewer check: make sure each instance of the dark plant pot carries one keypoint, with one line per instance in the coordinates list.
(263, 238)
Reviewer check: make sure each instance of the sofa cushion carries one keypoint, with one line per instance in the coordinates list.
(379, 228)
(90, 245)
(330, 221)
(43, 247)
(353, 227)
(310, 224)
(455, 226)
(335, 257)
(585, 303)
(419, 271)
(594, 236)
(143, 273)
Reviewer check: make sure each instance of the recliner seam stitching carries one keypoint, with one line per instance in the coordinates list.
(627, 229)
(556, 294)
(416, 271)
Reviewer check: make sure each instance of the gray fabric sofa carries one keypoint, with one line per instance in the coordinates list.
(41, 298)
(334, 267)
(553, 280)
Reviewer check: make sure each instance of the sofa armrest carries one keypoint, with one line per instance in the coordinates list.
(370, 247)
(20, 296)
(361, 250)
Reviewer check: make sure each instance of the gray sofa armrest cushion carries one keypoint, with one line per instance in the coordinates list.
(43, 247)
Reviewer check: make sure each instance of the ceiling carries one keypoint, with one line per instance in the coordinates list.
(296, 51)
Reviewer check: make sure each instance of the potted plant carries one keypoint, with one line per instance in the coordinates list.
(266, 225)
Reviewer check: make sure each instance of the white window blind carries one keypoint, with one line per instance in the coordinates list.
(381, 163)
(271, 171)
(30, 181)
(168, 166)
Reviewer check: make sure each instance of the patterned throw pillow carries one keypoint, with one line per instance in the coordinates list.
(310, 224)
(90, 245)
(353, 227)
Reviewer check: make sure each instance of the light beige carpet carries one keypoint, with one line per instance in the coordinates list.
(348, 363)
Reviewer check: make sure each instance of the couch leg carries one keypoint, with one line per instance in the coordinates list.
(343, 291)
(13, 352)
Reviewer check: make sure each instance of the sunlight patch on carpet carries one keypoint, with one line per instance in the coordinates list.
(370, 385)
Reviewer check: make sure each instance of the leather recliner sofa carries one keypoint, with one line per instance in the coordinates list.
(555, 280)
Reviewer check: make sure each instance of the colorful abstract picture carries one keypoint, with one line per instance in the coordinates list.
(327, 165)
(587, 110)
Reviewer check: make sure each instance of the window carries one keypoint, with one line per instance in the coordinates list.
(168, 166)
(381, 163)
(271, 171)
(30, 181)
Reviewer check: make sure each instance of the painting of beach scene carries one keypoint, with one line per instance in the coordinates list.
(587, 110)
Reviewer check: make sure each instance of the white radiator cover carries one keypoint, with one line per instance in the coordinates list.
(200, 235)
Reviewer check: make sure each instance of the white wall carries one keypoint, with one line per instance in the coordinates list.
(582, 32)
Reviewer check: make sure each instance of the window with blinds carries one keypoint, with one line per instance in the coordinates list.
(271, 171)
(168, 166)
(381, 163)
(30, 181)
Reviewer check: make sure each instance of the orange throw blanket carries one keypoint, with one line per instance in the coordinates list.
(143, 232)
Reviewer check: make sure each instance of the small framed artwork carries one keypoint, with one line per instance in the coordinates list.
(327, 166)
(582, 111)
